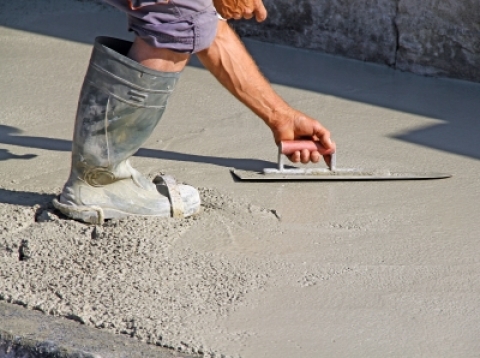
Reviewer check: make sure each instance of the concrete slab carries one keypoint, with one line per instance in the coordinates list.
(268, 270)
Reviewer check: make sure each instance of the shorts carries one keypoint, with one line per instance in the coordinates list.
(186, 26)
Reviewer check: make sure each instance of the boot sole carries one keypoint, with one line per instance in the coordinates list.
(96, 215)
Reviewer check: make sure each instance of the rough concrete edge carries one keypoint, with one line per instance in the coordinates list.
(12, 346)
(26, 333)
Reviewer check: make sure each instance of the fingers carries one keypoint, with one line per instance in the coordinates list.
(305, 156)
(315, 157)
(237, 10)
(260, 12)
(295, 157)
(247, 14)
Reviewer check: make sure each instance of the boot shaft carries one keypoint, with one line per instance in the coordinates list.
(120, 104)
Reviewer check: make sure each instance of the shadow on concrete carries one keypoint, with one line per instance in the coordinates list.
(6, 155)
(24, 198)
(453, 102)
(450, 137)
(12, 136)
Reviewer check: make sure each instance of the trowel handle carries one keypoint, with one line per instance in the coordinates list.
(289, 147)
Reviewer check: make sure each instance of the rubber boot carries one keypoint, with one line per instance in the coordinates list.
(120, 104)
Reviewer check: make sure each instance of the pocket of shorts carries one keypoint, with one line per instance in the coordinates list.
(204, 30)
(189, 8)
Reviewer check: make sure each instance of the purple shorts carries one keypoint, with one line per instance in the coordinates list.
(187, 26)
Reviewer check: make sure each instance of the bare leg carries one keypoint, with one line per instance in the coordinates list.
(158, 59)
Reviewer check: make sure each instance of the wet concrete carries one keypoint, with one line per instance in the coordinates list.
(269, 269)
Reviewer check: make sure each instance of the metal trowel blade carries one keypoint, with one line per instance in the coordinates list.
(332, 173)
(337, 174)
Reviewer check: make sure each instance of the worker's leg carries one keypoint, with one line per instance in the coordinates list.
(123, 97)
(120, 104)
(158, 59)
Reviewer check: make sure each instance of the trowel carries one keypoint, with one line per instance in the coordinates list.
(331, 173)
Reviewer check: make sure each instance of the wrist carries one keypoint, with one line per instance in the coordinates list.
(281, 115)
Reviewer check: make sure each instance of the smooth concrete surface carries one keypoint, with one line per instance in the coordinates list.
(297, 269)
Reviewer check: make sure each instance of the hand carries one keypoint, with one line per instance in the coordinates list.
(297, 125)
(237, 9)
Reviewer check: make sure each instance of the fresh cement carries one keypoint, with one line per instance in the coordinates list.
(127, 277)
(343, 269)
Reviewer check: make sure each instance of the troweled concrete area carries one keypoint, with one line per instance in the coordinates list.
(343, 269)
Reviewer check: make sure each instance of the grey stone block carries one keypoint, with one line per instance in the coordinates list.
(429, 37)
(362, 29)
(439, 37)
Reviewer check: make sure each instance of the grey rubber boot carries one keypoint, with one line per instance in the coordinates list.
(120, 104)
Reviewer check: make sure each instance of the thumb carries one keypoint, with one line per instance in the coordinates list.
(323, 136)
(328, 144)
(260, 11)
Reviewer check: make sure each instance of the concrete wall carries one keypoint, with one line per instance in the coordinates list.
(433, 37)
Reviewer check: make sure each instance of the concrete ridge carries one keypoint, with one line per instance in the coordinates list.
(30, 334)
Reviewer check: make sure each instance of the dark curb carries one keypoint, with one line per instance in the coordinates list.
(31, 334)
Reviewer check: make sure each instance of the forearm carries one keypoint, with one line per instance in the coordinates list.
(228, 60)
